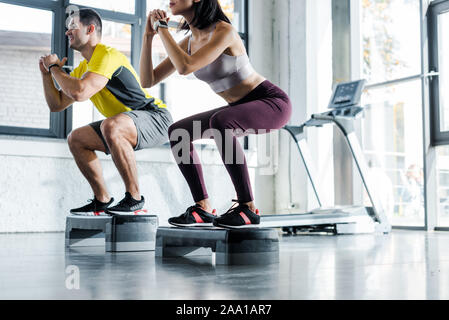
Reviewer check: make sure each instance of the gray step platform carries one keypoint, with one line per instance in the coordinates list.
(116, 234)
(231, 247)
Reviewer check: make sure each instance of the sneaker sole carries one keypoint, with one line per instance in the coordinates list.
(90, 214)
(131, 213)
(196, 225)
(248, 226)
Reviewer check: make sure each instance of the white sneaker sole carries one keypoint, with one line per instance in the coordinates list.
(194, 225)
(249, 226)
(131, 213)
(90, 214)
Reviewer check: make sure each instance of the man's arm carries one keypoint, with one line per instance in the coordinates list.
(79, 89)
(57, 101)
(75, 89)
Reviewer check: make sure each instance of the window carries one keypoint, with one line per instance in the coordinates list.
(127, 6)
(443, 186)
(26, 33)
(391, 39)
(439, 48)
(22, 45)
(392, 143)
(392, 131)
(439, 103)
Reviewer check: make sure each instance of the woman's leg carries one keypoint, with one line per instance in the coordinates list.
(182, 134)
(258, 117)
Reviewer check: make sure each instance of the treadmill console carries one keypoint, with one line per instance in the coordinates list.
(344, 104)
(347, 94)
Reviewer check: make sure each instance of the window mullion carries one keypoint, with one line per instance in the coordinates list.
(35, 4)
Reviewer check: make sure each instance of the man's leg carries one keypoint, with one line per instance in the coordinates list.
(83, 143)
(120, 134)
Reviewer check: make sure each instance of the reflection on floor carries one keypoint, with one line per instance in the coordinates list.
(402, 265)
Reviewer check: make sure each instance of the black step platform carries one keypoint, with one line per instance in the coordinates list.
(231, 247)
(116, 234)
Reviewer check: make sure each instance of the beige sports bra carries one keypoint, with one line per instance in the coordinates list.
(225, 72)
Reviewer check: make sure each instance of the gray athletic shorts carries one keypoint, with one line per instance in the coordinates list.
(152, 127)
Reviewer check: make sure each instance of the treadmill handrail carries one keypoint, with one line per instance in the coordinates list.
(298, 135)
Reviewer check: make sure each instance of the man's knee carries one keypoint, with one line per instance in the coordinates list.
(111, 129)
(119, 129)
(75, 139)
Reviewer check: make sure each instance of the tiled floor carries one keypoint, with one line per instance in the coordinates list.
(402, 265)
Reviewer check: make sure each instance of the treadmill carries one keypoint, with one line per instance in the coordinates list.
(344, 110)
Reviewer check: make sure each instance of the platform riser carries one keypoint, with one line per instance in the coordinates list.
(176, 252)
(93, 242)
(130, 246)
(231, 247)
(115, 234)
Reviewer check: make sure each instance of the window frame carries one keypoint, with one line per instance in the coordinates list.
(58, 121)
(438, 137)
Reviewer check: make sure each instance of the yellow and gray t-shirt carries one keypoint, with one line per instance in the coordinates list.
(123, 92)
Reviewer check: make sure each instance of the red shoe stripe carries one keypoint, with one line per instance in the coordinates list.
(140, 211)
(245, 218)
(197, 217)
(98, 213)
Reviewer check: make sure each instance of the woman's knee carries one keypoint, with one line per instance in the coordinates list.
(216, 121)
(178, 132)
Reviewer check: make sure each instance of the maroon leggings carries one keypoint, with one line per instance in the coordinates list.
(264, 109)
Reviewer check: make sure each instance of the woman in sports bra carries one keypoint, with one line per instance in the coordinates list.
(215, 53)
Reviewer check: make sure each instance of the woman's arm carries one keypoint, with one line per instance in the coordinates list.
(146, 62)
(150, 76)
(223, 37)
(146, 59)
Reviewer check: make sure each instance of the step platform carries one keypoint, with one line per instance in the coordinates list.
(251, 246)
(115, 233)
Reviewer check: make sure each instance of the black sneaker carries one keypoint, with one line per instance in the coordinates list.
(94, 208)
(128, 207)
(238, 217)
(194, 217)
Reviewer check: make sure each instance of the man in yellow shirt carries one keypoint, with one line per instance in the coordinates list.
(135, 120)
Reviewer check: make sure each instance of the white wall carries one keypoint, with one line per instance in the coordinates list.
(40, 183)
(296, 36)
(261, 54)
